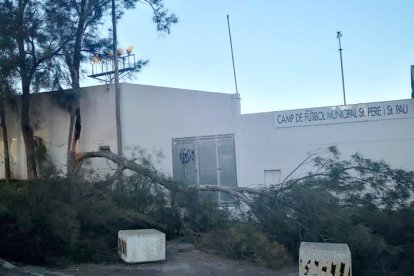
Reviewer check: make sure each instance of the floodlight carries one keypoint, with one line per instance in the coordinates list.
(120, 51)
(130, 49)
(95, 59)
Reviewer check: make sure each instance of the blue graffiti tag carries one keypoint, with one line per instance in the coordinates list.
(186, 155)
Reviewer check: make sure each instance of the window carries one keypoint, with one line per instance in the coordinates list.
(205, 160)
(271, 177)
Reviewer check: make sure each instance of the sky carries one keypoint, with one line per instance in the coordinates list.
(286, 52)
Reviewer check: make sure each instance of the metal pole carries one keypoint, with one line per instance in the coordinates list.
(232, 56)
(412, 81)
(338, 36)
(117, 94)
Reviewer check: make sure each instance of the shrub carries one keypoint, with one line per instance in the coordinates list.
(363, 203)
(59, 219)
(49, 220)
(246, 241)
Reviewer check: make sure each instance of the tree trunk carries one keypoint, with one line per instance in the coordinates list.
(123, 163)
(26, 75)
(28, 133)
(73, 62)
(5, 142)
(75, 117)
(71, 150)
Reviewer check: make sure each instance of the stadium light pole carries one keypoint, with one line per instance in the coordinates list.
(116, 78)
(338, 36)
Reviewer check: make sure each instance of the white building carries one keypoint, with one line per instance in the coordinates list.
(204, 139)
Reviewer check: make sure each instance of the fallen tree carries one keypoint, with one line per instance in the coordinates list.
(349, 201)
(364, 203)
(155, 178)
(357, 181)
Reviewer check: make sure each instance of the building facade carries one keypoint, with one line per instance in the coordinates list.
(202, 138)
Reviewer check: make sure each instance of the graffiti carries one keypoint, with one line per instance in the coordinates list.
(122, 247)
(186, 155)
(324, 268)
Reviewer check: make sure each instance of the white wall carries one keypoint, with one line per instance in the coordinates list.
(98, 125)
(153, 116)
(266, 147)
(48, 122)
(51, 123)
(16, 145)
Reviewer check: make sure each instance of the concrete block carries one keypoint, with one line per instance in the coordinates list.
(324, 259)
(139, 246)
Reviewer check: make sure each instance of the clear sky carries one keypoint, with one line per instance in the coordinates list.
(286, 52)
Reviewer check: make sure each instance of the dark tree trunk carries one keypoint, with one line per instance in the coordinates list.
(28, 133)
(73, 62)
(70, 153)
(25, 74)
(5, 142)
(74, 127)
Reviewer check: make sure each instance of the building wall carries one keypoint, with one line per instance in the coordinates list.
(48, 121)
(16, 145)
(153, 116)
(51, 123)
(265, 146)
(98, 127)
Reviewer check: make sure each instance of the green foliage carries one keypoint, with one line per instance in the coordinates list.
(35, 224)
(59, 219)
(50, 219)
(199, 214)
(79, 24)
(360, 202)
(28, 44)
(382, 241)
(363, 203)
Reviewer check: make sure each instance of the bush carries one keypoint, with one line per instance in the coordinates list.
(246, 241)
(363, 203)
(58, 218)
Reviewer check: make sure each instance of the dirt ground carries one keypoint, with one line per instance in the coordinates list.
(182, 259)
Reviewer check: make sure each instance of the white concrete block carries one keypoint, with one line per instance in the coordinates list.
(324, 259)
(139, 246)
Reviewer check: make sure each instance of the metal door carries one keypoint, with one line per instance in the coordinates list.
(185, 161)
(207, 160)
(227, 164)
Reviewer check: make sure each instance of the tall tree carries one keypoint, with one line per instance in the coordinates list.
(4, 90)
(33, 46)
(40, 30)
(7, 71)
(79, 22)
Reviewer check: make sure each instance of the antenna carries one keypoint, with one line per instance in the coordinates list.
(338, 36)
(232, 58)
(412, 81)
